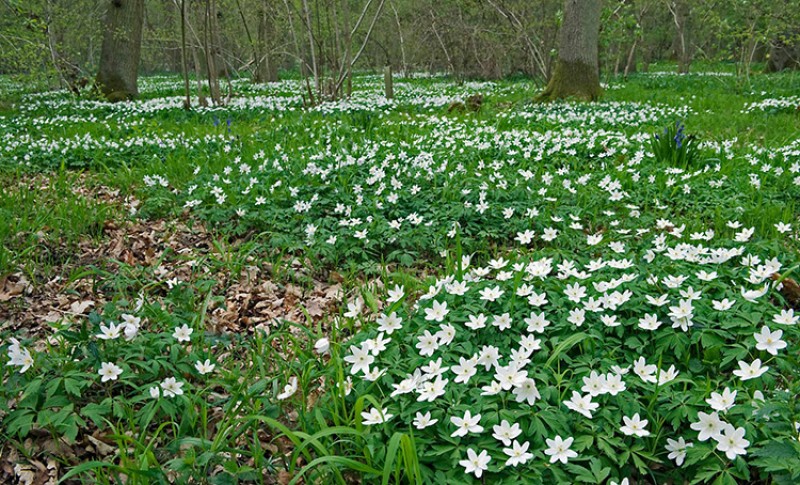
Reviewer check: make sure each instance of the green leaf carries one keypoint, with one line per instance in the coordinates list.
(88, 466)
(19, 422)
(711, 339)
(608, 450)
(582, 474)
(31, 394)
(97, 412)
(72, 387)
(777, 449)
(337, 461)
(565, 345)
(391, 455)
(599, 471)
(583, 442)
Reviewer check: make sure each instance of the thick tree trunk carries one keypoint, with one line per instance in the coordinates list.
(576, 74)
(119, 57)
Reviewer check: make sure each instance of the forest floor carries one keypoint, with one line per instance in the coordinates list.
(265, 292)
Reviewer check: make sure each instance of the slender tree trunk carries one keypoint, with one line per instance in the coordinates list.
(335, 26)
(220, 63)
(577, 71)
(51, 44)
(630, 65)
(388, 85)
(253, 46)
(187, 103)
(348, 47)
(680, 17)
(312, 49)
(210, 51)
(403, 64)
(122, 43)
(533, 45)
(298, 51)
(201, 97)
(447, 56)
(266, 67)
(367, 35)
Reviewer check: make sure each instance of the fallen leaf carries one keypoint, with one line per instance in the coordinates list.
(103, 449)
(284, 477)
(79, 307)
(12, 289)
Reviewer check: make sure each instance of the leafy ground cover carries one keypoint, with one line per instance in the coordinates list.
(406, 290)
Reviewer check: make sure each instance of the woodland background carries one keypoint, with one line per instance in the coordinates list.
(57, 43)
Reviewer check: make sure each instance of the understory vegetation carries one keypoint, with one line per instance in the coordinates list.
(421, 289)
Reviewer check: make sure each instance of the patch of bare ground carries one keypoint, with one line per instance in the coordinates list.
(135, 256)
(171, 252)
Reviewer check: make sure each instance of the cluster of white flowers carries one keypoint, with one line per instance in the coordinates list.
(456, 314)
(129, 327)
(604, 113)
(788, 104)
(383, 191)
(27, 149)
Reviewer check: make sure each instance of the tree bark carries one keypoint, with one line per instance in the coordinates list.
(630, 65)
(119, 58)
(576, 74)
(388, 85)
(187, 103)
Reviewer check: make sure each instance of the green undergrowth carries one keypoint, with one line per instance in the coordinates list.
(564, 237)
